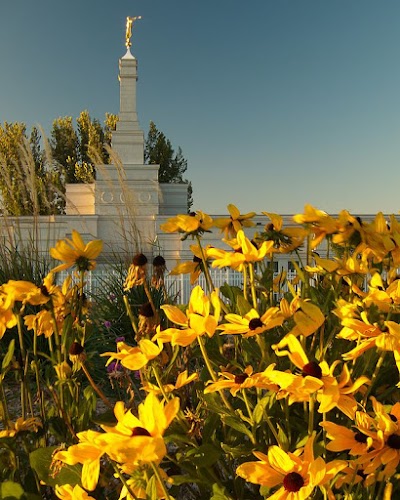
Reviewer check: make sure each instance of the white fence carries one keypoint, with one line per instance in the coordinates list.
(178, 287)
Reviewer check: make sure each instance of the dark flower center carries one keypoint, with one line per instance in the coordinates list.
(255, 323)
(76, 348)
(158, 261)
(139, 259)
(360, 437)
(393, 441)
(44, 291)
(239, 379)
(83, 263)
(393, 418)
(140, 431)
(293, 482)
(146, 310)
(196, 259)
(312, 369)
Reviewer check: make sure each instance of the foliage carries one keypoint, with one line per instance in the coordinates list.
(286, 387)
(159, 151)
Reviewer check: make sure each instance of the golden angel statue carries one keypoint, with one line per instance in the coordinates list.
(129, 23)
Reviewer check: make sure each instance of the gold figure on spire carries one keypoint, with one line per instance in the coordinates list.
(128, 35)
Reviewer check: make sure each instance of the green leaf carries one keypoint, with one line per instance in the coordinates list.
(242, 305)
(219, 493)
(238, 425)
(184, 479)
(259, 409)
(10, 490)
(211, 424)
(8, 357)
(151, 489)
(242, 450)
(41, 460)
(204, 456)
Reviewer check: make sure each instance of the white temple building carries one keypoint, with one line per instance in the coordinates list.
(126, 204)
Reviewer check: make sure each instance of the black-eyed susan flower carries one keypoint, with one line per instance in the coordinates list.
(159, 269)
(357, 440)
(199, 319)
(308, 318)
(69, 492)
(236, 221)
(296, 474)
(134, 358)
(137, 272)
(87, 452)
(182, 379)
(194, 267)
(252, 323)
(195, 223)
(320, 222)
(136, 439)
(20, 425)
(74, 252)
(285, 239)
(332, 393)
(244, 380)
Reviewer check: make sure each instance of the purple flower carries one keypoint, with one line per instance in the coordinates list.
(113, 367)
(120, 339)
(107, 324)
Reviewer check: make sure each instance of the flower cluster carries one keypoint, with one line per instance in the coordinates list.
(286, 387)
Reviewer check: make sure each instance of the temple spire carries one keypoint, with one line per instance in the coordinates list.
(128, 138)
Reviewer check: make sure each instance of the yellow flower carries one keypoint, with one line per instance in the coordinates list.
(332, 393)
(194, 267)
(68, 492)
(74, 252)
(357, 441)
(231, 225)
(308, 318)
(241, 381)
(245, 251)
(190, 224)
(296, 474)
(135, 358)
(252, 323)
(321, 223)
(30, 424)
(139, 439)
(198, 320)
(285, 239)
(87, 452)
(182, 380)
(7, 318)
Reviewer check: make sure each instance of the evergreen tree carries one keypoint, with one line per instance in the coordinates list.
(159, 151)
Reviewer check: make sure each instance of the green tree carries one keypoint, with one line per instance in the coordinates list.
(158, 150)
(65, 146)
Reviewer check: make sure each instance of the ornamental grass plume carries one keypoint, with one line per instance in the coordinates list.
(282, 386)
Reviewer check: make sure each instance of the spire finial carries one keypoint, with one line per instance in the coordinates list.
(129, 22)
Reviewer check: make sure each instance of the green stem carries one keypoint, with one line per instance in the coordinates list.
(95, 386)
(311, 405)
(130, 314)
(209, 282)
(374, 375)
(159, 479)
(211, 371)
(252, 285)
(123, 480)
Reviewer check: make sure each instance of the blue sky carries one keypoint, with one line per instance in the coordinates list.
(275, 103)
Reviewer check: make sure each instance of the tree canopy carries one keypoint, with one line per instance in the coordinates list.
(34, 170)
(158, 150)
